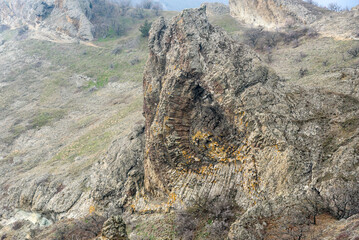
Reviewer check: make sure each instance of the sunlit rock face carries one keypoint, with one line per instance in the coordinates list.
(283, 14)
(275, 13)
(81, 19)
(71, 17)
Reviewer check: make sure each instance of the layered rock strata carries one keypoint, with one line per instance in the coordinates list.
(220, 124)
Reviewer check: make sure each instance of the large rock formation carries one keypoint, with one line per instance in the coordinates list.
(219, 123)
(70, 17)
(274, 14)
(81, 19)
(216, 9)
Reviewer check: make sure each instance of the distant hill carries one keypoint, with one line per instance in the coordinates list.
(173, 5)
(180, 5)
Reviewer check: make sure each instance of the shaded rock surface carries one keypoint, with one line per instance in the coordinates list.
(220, 124)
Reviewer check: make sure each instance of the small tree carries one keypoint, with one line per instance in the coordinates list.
(312, 2)
(157, 7)
(303, 72)
(145, 29)
(252, 36)
(354, 52)
(146, 4)
(334, 7)
(124, 5)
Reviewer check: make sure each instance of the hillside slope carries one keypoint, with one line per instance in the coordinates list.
(239, 141)
(64, 106)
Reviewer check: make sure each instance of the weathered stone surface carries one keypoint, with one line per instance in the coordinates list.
(114, 229)
(80, 19)
(221, 124)
(216, 9)
(119, 176)
(69, 17)
(274, 14)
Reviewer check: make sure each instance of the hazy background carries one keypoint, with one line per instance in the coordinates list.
(178, 5)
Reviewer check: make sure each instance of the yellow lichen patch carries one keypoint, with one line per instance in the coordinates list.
(214, 149)
(171, 199)
(180, 21)
(149, 88)
(92, 209)
(199, 136)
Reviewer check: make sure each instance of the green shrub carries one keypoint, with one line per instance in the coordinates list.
(145, 29)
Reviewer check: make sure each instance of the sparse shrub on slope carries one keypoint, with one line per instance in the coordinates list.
(334, 7)
(85, 228)
(354, 52)
(263, 40)
(211, 218)
(303, 72)
(294, 224)
(312, 2)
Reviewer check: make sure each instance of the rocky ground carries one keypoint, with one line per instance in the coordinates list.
(65, 105)
(242, 138)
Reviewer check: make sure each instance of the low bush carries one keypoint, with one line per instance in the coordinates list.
(17, 225)
(85, 228)
(354, 52)
(263, 40)
(303, 72)
(214, 216)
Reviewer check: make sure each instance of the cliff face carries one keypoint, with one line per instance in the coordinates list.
(81, 19)
(219, 123)
(70, 17)
(274, 13)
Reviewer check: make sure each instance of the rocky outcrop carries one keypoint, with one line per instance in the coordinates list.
(220, 124)
(340, 25)
(216, 9)
(69, 17)
(274, 13)
(81, 19)
(119, 176)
